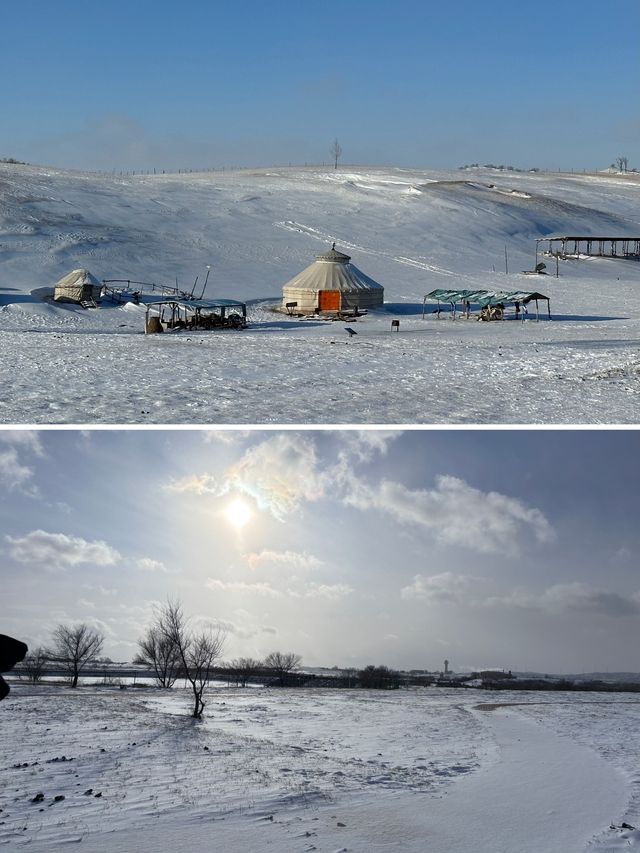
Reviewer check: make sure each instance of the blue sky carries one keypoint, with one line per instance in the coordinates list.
(417, 83)
(490, 548)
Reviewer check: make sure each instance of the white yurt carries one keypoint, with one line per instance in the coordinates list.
(78, 286)
(331, 283)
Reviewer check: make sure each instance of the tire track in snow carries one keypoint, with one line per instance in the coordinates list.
(298, 227)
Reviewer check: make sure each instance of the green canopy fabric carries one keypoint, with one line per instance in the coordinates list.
(486, 297)
(510, 297)
(456, 295)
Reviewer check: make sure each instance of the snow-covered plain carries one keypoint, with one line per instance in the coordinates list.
(411, 230)
(319, 770)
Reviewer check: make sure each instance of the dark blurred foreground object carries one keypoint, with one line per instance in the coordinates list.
(11, 652)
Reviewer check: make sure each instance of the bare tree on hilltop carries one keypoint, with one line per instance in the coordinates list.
(336, 152)
(75, 647)
(282, 664)
(197, 652)
(621, 164)
(158, 652)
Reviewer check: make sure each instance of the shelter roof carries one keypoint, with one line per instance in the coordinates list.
(582, 239)
(523, 296)
(486, 297)
(443, 295)
(194, 303)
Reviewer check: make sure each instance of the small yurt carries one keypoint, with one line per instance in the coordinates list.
(331, 283)
(77, 286)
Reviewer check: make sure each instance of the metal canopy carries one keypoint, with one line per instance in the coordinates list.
(510, 297)
(485, 297)
(195, 303)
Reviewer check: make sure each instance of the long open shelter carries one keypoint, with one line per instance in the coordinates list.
(173, 313)
(598, 247)
(488, 300)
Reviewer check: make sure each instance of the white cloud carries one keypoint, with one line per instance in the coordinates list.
(572, 597)
(59, 551)
(287, 559)
(102, 590)
(365, 443)
(146, 564)
(457, 513)
(225, 436)
(623, 553)
(241, 586)
(321, 590)
(199, 484)
(242, 631)
(294, 589)
(443, 588)
(27, 439)
(13, 473)
(279, 473)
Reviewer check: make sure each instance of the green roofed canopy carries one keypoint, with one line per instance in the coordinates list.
(486, 297)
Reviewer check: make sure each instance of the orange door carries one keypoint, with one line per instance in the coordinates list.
(329, 300)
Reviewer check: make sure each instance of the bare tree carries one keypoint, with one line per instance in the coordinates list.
(243, 668)
(197, 652)
(336, 152)
(158, 652)
(282, 664)
(75, 646)
(621, 163)
(34, 664)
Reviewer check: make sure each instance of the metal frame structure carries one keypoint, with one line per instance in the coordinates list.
(175, 313)
(487, 299)
(596, 247)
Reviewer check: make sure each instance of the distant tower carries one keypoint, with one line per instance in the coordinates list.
(446, 667)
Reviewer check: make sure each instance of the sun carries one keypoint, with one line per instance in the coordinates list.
(238, 513)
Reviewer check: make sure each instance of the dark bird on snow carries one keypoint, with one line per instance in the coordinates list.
(351, 332)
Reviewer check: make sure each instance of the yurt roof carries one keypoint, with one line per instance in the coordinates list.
(332, 271)
(78, 277)
(333, 256)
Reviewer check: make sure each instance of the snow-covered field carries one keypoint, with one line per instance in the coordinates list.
(319, 770)
(411, 230)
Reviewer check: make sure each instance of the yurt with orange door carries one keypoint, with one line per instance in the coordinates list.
(330, 284)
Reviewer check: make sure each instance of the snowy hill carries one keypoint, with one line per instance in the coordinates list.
(413, 231)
